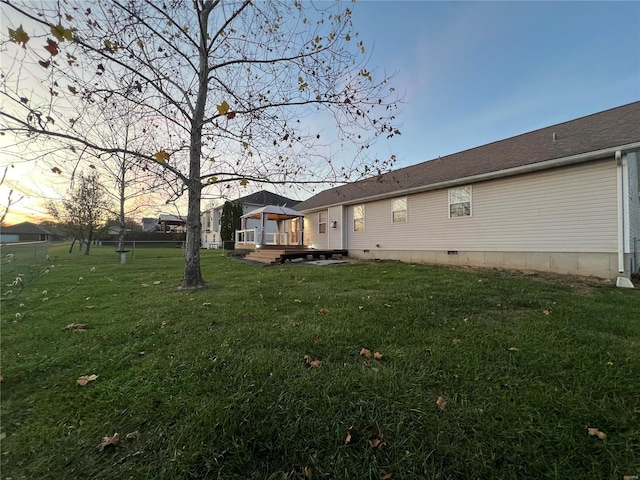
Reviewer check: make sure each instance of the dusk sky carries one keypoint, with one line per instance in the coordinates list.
(476, 72)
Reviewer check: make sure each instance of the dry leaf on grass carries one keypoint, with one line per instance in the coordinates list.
(307, 473)
(427, 352)
(441, 402)
(132, 435)
(206, 304)
(107, 441)
(350, 433)
(594, 432)
(84, 379)
(89, 307)
(317, 339)
(378, 356)
(513, 349)
(157, 282)
(325, 311)
(375, 439)
(78, 327)
(365, 352)
(308, 362)
(630, 477)
(547, 311)
(456, 341)
(388, 476)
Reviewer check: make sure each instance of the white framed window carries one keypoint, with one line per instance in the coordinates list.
(358, 218)
(399, 210)
(322, 222)
(460, 202)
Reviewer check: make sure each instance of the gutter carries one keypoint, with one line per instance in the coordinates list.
(533, 167)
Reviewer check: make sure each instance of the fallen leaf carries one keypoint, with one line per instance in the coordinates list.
(297, 300)
(630, 477)
(311, 363)
(206, 304)
(441, 402)
(350, 432)
(375, 440)
(157, 282)
(456, 341)
(79, 327)
(594, 432)
(317, 339)
(324, 311)
(547, 311)
(360, 307)
(107, 441)
(387, 305)
(132, 435)
(84, 379)
(513, 349)
(387, 476)
(378, 356)
(89, 307)
(307, 473)
(365, 352)
(1, 378)
(427, 352)
(143, 285)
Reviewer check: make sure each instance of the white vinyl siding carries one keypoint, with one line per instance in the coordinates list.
(570, 209)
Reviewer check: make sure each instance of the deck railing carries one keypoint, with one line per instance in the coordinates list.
(254, 237)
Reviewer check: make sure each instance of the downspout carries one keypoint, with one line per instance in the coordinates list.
(621, 210)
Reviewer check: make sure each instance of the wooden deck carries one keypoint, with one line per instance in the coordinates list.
(274, 254)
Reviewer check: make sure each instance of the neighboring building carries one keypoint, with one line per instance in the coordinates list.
(150, 224)
(561, 199)
(28, 232)
(211, 218)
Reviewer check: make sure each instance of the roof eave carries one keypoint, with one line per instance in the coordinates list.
(532, 167)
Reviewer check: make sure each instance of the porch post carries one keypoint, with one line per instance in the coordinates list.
(302, 231)
(262, 222)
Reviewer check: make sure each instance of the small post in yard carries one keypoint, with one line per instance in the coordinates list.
(123, 256)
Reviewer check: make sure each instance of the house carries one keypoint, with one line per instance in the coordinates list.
(150, 224)
(561, 199)
(28, 232)
(210, 218)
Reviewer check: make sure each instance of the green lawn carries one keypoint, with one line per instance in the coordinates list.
(212, 383)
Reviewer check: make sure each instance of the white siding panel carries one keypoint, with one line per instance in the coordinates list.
(634, 198)
(571, 209)
(311, 235)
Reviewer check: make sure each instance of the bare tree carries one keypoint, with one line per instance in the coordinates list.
(11, 200)
(84, 211)
(233, 90)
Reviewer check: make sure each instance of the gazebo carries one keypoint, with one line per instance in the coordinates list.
(290, 227)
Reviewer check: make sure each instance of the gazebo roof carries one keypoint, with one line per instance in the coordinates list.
(273, 212)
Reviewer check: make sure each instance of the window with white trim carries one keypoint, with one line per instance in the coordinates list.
(399, 210)
(358, 218)
(322, 222)
(460, 202)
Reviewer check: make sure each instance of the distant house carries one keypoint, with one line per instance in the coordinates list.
(211, 218)
(562, 199)
(150, 224)
(28, 232)
(172, 223)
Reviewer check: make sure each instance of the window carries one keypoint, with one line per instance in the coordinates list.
(399, 210)
(460, 202)
(322, 222)
(358, 218)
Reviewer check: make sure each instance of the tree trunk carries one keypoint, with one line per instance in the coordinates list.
(88, 248)
(72, 244)
(192, 271)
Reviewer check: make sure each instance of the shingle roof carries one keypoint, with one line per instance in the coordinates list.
(26, 228)
(263, 197)
(610, 128)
